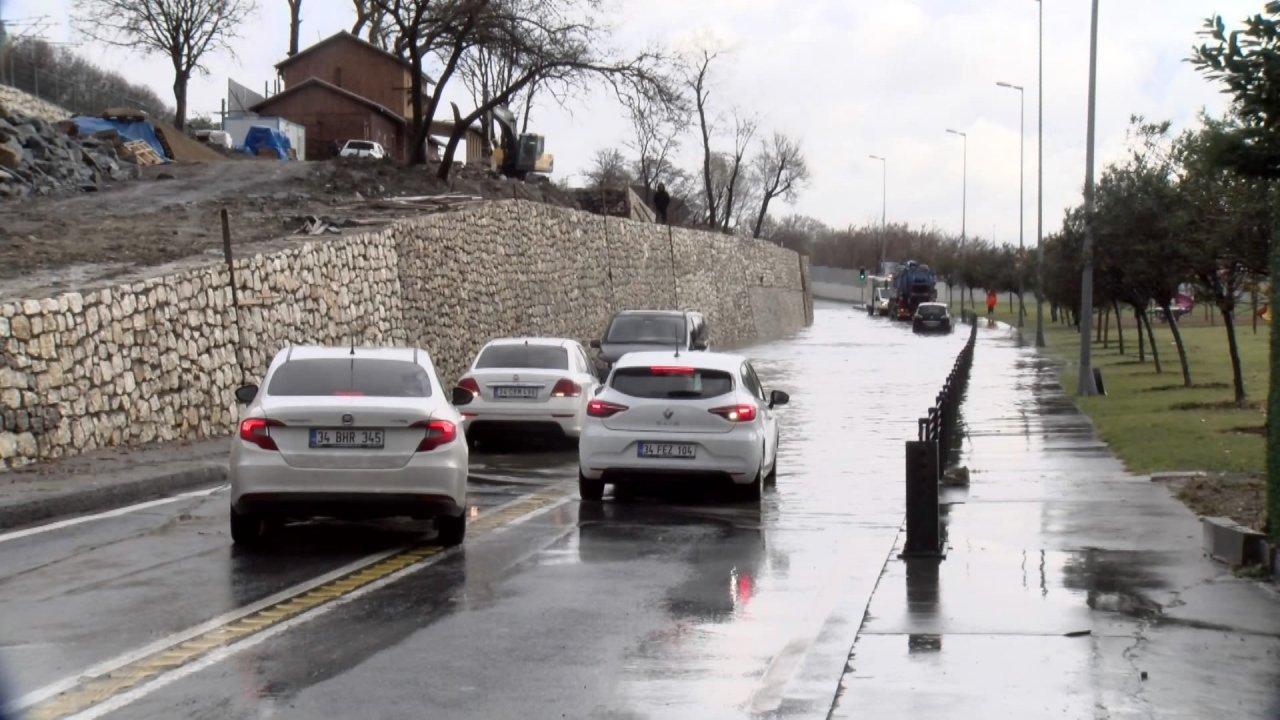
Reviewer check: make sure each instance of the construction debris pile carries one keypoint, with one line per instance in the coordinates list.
(39, 157)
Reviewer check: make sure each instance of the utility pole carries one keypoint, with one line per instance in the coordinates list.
(1022, 163)
(1085, 382)
(884, 197)
(1040, 187)
(964, 205)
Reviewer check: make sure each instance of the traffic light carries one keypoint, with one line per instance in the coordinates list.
(862, 274)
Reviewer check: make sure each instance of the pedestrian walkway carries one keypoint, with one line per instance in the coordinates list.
(1071, 588)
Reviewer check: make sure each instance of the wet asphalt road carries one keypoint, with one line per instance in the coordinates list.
(676, 602)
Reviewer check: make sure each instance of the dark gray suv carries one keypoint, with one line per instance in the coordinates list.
(639, 330)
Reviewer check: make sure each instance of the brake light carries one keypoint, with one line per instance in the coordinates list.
(566, 388)
(255, 430)
(670, 370)
(348, 393)
(467, 383)
(604, 409)
(736, 413)
(439, 432)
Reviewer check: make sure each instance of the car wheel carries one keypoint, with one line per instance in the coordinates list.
(451, 529)
(772, 478)
(248, 529)
(589, 489)
(754, 490)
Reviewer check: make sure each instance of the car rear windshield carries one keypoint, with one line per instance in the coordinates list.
(350, 377)
(359, 145)
(932, 312)
(524, 356)
(655, 329)
(671, 382)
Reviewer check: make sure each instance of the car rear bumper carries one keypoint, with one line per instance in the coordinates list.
(606, 453)
(563, 415)
(431, 483)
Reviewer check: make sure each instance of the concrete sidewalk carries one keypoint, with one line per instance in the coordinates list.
(105, 479)
(1071, 589)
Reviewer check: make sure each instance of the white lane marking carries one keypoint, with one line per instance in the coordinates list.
(18, 534)
(60, 686)
(216, 656)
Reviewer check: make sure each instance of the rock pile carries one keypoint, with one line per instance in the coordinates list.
(38, 157)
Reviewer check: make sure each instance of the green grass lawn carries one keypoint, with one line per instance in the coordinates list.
(1154, 423)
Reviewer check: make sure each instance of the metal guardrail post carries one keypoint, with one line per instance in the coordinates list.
(924, 524)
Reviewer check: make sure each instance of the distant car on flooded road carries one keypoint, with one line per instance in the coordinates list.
(658, 330)
(529, 384)
(691, 417)
(931, 317)
(348, 432)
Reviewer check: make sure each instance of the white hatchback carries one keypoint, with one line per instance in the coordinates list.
(690, 415)
(529, 383)
(348, 432)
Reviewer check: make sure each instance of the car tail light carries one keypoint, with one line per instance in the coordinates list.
(255, 430)
(736, 413)
(670, 370)
(566, 388)
(604, 409)
(467, 383)
(439, 432)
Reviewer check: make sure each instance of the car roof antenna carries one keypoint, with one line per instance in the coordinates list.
(353, 344)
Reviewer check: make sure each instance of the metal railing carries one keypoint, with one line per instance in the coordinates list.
(928, 454)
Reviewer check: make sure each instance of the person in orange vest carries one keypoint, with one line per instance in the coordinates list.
(991, 302)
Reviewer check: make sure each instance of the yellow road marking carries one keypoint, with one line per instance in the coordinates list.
(95, 690)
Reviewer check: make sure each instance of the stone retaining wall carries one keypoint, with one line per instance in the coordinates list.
(159, 359)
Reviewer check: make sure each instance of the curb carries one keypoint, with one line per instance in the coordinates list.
(105, 497)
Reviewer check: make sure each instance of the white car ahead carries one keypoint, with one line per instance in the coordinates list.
(348, 432)
(529, 384)
(694, 415)
(363, 149)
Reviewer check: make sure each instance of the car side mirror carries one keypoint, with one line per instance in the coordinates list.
(461, 396)
(595, 344)
(777, 397)
(246, 393)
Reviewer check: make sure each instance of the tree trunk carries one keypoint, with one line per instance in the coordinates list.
(180, 99)
(1177, 341)
(1106, 325)
(1273, 398)
(1142, 341)
(418, 127)
(1237, 377)
(1119, 326)
(1151, 337)
(764, 210)
(295, 22)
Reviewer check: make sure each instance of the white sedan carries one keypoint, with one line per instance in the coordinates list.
(348, 432)
(689, 415)
(529, 384)
(363, 149)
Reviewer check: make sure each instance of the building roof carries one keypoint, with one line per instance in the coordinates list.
(348, 37)
(330, 87)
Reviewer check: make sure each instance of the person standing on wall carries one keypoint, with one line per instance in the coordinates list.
(661, 200)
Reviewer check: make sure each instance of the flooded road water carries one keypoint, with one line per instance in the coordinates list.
(677, 602)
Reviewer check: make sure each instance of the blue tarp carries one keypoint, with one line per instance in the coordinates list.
(260, 136)
(128, 129)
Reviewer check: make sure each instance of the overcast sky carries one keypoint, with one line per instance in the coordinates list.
(848, 78)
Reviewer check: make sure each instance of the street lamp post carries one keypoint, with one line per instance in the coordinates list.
(884, 196)
(1022, 154)
(1085, 385)
(964, 203)
(1040, 186)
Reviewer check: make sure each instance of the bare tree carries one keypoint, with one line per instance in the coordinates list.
(608, 170)
(369, 12)
(423, 28)
(655, 137)
(697, 81)
(781, 170)
(744, 130)
(558, 47)
(295, 22)
(182, 30)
